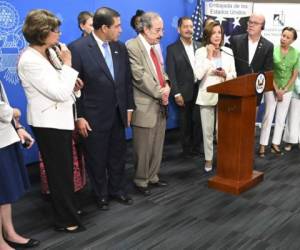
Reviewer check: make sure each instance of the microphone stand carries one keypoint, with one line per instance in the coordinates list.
(239, 59)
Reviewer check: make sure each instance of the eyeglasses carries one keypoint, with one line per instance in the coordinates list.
(157, 31)
(254, 23)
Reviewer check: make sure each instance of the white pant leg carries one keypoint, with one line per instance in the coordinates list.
(280, 117)
(270, 106)
(207, 114)
(292, 128)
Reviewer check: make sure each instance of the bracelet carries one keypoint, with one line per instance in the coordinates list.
(20, 127)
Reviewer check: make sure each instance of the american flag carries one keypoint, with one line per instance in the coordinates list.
(232, 26)
(197, 18)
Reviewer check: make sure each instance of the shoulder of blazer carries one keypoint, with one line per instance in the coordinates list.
(266, 42)
(133, 43)
(239, 38)
(172, 46)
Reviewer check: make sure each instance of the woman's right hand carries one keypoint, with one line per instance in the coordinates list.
(65, 54)
(25, 137)
(210, 51)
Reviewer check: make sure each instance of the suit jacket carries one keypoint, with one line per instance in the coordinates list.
(8, 133)
(262, 59)
(203, 72)
(180, 71)
(48, 91)
(147, 93)
(102, 94)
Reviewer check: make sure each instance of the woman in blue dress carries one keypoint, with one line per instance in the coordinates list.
(13, 175)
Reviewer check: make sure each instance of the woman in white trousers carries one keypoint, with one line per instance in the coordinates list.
(286, 60)
(292, 128)
(214, 64)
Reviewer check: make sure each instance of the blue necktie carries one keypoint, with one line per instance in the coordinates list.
(108, 59)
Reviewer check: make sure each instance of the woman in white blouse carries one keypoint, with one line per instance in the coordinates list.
(48, 85)
(214, 64)
(14, 180)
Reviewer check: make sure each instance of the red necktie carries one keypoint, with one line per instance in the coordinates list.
(157, 67)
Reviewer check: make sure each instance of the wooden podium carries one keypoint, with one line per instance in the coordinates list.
(236, 133)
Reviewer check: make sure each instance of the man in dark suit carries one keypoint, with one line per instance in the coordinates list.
(105, 106)
(252, 52)
(180, 64)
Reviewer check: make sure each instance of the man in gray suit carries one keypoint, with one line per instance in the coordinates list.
(151, 92)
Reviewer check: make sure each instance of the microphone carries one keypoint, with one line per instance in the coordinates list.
(239, 59)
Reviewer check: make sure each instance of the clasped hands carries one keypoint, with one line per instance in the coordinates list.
(165, 95)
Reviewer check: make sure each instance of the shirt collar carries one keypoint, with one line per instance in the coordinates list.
(145, 43)
(98, 40)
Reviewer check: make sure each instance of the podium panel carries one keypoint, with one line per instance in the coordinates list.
(236, 134)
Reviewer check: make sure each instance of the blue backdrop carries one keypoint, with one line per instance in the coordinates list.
(13, 12)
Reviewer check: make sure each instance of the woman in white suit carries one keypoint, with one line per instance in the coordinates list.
(49, 83)
(13, 175)
(292, 128)
(214, 64)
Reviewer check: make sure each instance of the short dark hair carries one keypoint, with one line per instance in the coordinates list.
(138, 13)
(38, 24)
(83, 16)
(181, 19)
(207, 32)
(104, 16)
(291, 29)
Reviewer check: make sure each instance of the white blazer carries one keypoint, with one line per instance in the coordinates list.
(48, 91)
(8, 134)
(203, 71)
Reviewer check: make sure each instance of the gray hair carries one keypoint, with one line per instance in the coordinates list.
(146, 21)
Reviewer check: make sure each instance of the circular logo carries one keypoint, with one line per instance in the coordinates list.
(260, 83)
(9, 17)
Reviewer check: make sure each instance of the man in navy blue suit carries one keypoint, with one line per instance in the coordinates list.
(105, 106)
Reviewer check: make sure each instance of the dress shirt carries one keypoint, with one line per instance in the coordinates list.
(148, 47)
(251, 48)
(100, 45)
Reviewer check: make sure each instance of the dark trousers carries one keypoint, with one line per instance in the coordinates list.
(190, 125)
(104, 153)
(56, 149)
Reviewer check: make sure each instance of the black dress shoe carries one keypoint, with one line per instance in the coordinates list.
(103, 204)
(30, 243)
(160, 183)
(68, 230)
(122, 198)
(143, 190)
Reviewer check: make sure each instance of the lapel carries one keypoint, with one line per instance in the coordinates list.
(147, 58)
(258, 50)
(182, 51)
(96, 54)
(244, 49)
(3, 96)
(196, 46)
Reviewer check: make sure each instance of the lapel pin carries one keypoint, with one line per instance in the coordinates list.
(116, 52)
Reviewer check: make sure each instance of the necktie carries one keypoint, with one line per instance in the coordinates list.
(108, 59)
(157, 67)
